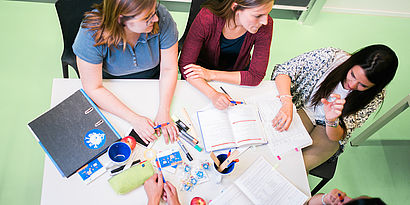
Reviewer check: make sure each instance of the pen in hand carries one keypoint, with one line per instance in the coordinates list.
(232, 101)
(161, 125)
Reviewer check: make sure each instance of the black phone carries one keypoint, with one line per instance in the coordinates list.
(138, 138)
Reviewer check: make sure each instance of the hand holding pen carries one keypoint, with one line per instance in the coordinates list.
(164, 124)
(335, 197)
(221, 101)
(231, 101)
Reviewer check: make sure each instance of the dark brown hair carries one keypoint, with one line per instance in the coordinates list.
(379, 63)
(222, 8)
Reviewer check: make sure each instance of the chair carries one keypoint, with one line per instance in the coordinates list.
(193, 11)
(70, 13)
(326, 171)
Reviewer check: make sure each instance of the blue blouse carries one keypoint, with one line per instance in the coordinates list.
(118, 62)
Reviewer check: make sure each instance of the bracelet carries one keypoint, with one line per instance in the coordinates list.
(332, 123)
(284, 96)
(323, 197)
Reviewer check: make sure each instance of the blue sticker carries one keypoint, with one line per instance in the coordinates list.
(94, 139)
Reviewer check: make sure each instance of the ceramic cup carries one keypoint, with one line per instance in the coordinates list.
(119, 153)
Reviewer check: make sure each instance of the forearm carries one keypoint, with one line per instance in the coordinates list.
(202, 86)
(167, 84)
(335, 133)
(283, 83)
(107, 101)
(233, 77)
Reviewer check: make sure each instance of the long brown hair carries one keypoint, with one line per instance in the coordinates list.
(379, 63)
(222, 8)
(104, 21)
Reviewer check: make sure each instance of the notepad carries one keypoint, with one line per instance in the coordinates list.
(280, 142)
(73, 133)
(235, 126)
(261, 184)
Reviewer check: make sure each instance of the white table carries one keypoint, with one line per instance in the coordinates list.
(140, 95)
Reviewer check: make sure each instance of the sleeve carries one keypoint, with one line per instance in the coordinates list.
(260, 57)
(357, 119)
(307, 62)
(194, 41)
(167, 28)
(83, 47)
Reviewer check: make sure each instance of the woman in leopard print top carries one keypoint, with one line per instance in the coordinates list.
(335, 92)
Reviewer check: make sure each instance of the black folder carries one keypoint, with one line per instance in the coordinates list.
(73, 133)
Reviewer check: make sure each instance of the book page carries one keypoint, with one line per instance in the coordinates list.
(246, 125)
(280, 142)
(215, 129)
(231, 196)
(263, 184)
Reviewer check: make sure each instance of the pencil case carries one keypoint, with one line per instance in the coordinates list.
(131, 178)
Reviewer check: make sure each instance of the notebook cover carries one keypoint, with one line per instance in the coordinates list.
(69, 136)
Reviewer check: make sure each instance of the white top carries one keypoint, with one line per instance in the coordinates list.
(318, 112)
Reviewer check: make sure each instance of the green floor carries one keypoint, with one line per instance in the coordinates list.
(30, 49)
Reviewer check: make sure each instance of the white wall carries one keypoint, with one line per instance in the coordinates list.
(373, 7)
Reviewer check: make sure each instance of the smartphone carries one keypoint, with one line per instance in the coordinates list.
(138, 139)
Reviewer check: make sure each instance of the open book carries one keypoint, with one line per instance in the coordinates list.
(233, 127)
(261, 184)
(280, 142)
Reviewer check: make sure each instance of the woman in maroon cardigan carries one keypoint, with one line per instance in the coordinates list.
(219, 43)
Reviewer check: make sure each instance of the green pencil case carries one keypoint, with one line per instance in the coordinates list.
(131, 178)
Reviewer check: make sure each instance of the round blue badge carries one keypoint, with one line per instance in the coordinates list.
(94, 139)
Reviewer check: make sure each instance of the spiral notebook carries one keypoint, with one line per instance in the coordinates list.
(73, 133)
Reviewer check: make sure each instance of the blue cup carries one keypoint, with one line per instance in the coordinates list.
(227, 170)
(119, 152)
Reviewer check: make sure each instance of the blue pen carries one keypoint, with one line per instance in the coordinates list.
(236, 102)
(159, 168)
(161, 125)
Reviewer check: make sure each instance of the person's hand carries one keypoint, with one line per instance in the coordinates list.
(284, 117)
(333, 109)
(154, 187)
(170, 194)
(170, 131)
(336, 197)
(221, 100)
(144, 127)
(193, 71)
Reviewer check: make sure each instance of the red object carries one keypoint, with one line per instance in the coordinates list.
(130, 141)
(198, 201)
(202, 47)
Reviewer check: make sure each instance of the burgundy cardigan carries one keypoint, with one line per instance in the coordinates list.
(202, 47)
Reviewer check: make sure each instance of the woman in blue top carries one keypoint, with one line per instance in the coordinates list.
(129, 39)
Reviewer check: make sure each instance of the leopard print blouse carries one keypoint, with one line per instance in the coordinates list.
(305, 71)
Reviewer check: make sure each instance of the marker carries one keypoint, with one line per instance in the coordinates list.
(184, 150)
(159, 169)
(195, 141)
(190, 142)
(161, 125)
(182, 127)
(229, 153)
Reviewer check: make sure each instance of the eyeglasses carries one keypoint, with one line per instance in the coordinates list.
(149, 20)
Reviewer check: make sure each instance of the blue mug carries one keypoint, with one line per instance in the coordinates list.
(119, 152)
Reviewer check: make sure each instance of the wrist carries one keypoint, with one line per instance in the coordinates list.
(153, 201)
(285, 98)
(323, 199)
(332, 123)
